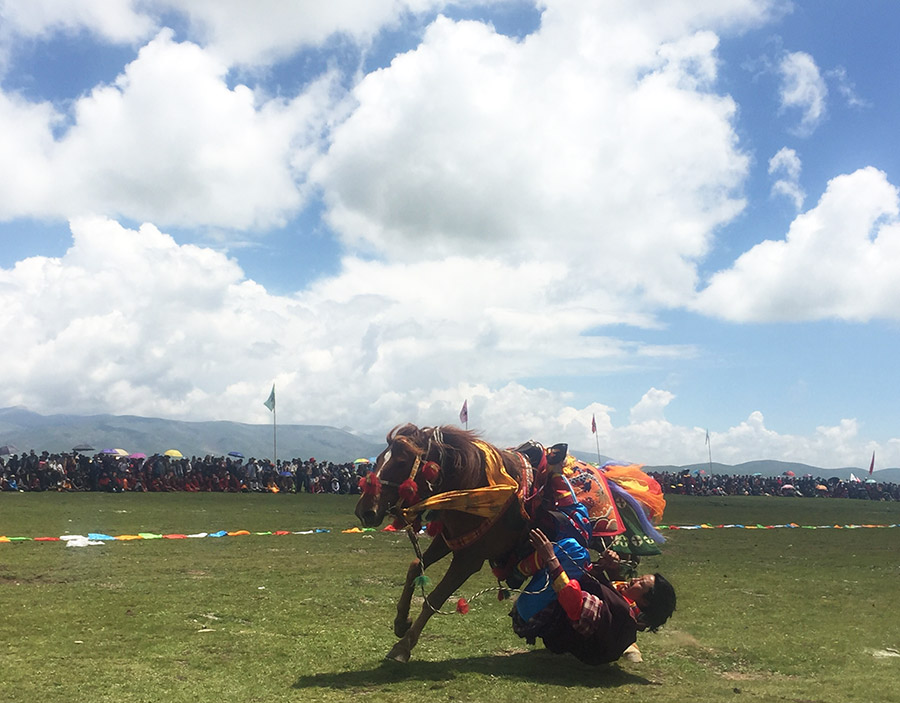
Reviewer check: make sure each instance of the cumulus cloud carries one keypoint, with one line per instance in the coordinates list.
(838, 261)
(803, 88)
(116, 21)
(168, 142)
(267, 30)
(492, 230)
(786, 166)
(508, 159)
(129, 321)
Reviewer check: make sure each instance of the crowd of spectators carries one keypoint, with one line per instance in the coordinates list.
(700, 483)
(112, 473)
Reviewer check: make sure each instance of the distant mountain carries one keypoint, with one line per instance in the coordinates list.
(25, 430)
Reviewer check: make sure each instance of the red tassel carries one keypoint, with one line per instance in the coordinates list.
(430, 471)
(409, 491)
(434, 528)
(462, 606)
(370, 484)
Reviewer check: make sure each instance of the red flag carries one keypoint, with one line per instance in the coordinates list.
(872, 465)
(593, 424)
(464, 413)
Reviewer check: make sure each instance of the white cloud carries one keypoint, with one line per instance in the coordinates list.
(266, 30)
(129, 321)
(786, 164)
(116, 21)
(803, 89)
(168, 142)
(840, 260)
(626, 164)
(846, 88)
(552, 187)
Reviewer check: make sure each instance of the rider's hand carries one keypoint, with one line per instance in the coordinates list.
(543, 547)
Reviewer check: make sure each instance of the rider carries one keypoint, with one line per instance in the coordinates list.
(554, 508)
(585, 613)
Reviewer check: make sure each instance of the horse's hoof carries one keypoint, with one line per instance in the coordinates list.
(401, 627)
(398, 654)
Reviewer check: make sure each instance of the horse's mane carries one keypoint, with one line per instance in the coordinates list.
(450, 446)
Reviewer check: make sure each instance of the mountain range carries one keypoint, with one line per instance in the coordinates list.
(22, 430)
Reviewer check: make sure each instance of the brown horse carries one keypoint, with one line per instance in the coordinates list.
(476, 488)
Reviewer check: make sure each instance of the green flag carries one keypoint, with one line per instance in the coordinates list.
(270, 403)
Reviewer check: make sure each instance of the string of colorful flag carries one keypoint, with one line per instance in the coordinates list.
(97, 538)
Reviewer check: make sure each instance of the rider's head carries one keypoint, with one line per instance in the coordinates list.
(657, 604)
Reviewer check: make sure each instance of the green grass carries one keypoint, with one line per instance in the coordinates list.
(764, 615)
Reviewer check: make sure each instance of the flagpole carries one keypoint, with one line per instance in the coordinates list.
(597, 437)
(709, 450)
(275, 435)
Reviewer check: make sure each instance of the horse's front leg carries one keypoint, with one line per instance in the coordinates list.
(436, 551)
(459, 571)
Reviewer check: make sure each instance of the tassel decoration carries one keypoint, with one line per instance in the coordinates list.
(422, 581)
(502, 594)
(430, 471)
(434, 528)
(409, 491)
(370, 484)
(462, 606)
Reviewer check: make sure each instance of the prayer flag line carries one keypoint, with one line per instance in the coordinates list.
(101, 538)
(93, 538)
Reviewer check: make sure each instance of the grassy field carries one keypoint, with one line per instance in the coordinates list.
(763, 615)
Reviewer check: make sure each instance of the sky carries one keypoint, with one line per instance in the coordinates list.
(676, 218)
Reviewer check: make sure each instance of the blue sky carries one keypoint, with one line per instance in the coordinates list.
(670, 216)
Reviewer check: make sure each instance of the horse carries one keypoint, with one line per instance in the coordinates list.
(478, 490)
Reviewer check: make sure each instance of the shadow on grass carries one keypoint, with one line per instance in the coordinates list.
(535, 667)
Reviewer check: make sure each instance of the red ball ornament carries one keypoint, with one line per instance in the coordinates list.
(409, 491)
(430, 471)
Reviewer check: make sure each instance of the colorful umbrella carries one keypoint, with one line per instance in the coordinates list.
(7, 449)
(788, 473)
(236, 454)
(174, 453)
(137, 455)
(115, 452)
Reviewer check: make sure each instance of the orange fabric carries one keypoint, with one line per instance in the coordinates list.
(643, 488)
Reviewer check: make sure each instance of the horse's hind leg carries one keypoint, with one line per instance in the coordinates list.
(437, 550)
(457, 574)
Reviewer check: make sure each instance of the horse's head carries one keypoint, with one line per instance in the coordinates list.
(393, 484)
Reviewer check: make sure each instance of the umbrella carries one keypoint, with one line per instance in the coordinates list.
(758, 473)
(82, 448)
(871, 480)
(361, 461)
(236, 454)
(788, 473)
(174, 453)
(115, 452)
(787, 487)
(7, 449)
(137, 455)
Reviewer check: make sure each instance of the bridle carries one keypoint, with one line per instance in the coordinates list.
(407, 489)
